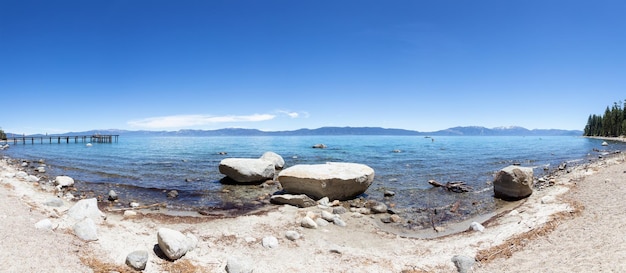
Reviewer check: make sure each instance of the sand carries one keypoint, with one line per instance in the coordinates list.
(574, 226)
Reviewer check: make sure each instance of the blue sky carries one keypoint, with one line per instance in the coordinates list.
(284, 65)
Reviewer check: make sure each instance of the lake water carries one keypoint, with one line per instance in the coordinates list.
(145, 168)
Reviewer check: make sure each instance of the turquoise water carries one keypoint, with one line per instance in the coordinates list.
(143, 169)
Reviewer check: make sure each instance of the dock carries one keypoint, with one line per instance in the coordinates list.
(61, 139)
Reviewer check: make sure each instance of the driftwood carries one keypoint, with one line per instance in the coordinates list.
(456, 186)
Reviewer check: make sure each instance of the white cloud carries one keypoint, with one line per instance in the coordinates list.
(182, 121)
(292, 114)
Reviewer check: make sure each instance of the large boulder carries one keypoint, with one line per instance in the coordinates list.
(275, 158)
(247, 170)
(337, 181)
(86, 208)
(513, 183)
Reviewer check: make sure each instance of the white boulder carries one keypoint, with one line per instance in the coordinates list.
(64, 181)
(275, 158)
(337, 181)
(247, 170)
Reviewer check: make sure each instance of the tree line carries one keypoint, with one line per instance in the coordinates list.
(3, 136)
(611, 124)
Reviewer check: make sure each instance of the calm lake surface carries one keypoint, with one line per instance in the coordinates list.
(145, 168)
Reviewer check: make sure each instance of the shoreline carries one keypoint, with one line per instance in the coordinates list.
(360, 246)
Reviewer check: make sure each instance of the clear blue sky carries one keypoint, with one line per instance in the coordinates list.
(283, 65)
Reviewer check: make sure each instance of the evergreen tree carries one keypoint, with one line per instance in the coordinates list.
(3, 136)
(611, 124)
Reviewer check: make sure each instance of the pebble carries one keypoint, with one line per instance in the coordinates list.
(270, 242)
(339, 222)
(339, 210)
(130, 214)
(44, 224)
(321, 222)
(477, 226)
(112, 195)
(307, 222)
(292, 235)
(327, 216)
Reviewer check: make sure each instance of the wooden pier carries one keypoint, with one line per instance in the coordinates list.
(61, 139)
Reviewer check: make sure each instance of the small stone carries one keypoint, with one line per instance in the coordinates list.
(292, 235)
(54, 202)
(172, 194)
(324, 202)
(339, 222)
(339, 210)
(134, 204)
(86, 230)
(64, 181)
(44, 224)
(477, 226)
(327, 216)
(463, 264)
(389, 193)
(237, 265)
(130, 214)
(395, 218)
(137, 259)
(270, 242)
(321, 222)
(307, 222)
(112, 195)
(548, 200)
(379, 208)
(250, 240)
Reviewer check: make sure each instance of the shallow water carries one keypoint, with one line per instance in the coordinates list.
(144, 169)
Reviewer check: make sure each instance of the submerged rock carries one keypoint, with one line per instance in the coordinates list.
(247, 170)
(337, 181)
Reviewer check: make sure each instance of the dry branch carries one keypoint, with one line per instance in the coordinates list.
(456, 186)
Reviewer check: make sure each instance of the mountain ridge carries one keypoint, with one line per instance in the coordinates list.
(453, 131)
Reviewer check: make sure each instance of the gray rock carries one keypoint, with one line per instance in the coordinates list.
(292, 235)
(300, 200)
(321, 222)
(137, 259)
(378, 207)
(339, 210)
(247, 170)
(86, 230)
(339, 222)
(275, 158)
(320, 146)
(174, 244)
(172, 194)
(237, 265)
(513, 183)
(463, 264)
(324, 202)
(337, 181)
(389, 193)
(270, 242)
(41, 169)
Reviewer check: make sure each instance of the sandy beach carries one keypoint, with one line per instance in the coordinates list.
(574, 225)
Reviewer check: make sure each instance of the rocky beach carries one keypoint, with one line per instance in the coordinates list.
(571, 223)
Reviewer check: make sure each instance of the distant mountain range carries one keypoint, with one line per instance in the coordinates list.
(455, 131)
